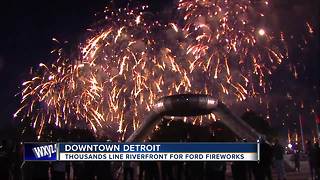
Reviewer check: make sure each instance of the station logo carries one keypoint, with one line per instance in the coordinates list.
(40, 151)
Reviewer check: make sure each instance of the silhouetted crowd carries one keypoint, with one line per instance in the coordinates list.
(13, 167)
(313, 152)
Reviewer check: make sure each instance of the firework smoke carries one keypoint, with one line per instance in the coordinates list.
(213, 47)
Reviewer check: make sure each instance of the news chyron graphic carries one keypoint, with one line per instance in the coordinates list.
(142, 151)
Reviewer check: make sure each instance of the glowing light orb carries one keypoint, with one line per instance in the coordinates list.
(262, 32)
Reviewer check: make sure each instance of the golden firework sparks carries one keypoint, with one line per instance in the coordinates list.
(130, 63)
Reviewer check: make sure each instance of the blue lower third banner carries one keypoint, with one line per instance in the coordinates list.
(98, 151)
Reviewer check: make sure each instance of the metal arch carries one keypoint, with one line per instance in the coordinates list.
(193, 105)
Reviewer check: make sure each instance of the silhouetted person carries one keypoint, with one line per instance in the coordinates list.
(195, 170)
(68, 168)
(58, 170)
(251, 165)
(89, 170)
(142, 168)
(316, 156)
(278, 151)
(127, 171)
(167, 170)
(262, 169)
(17, 159)
(178, 168)
(78, 170)
(4, 161)
(311, 160)
(215, 170)
(27, 170)
(257, 170)
(40, 170)
(150, 170)
(239, 170)
(265, 163)
(103, 170)
(296, 157)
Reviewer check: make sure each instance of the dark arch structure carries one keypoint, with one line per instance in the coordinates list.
(193, 105)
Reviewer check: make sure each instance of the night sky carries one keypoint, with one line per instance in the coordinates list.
(26, 39)
(27, 29)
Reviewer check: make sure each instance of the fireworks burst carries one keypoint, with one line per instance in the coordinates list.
(214, 48)
(226, 41)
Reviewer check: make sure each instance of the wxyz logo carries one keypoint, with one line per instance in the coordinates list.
(46, 150)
